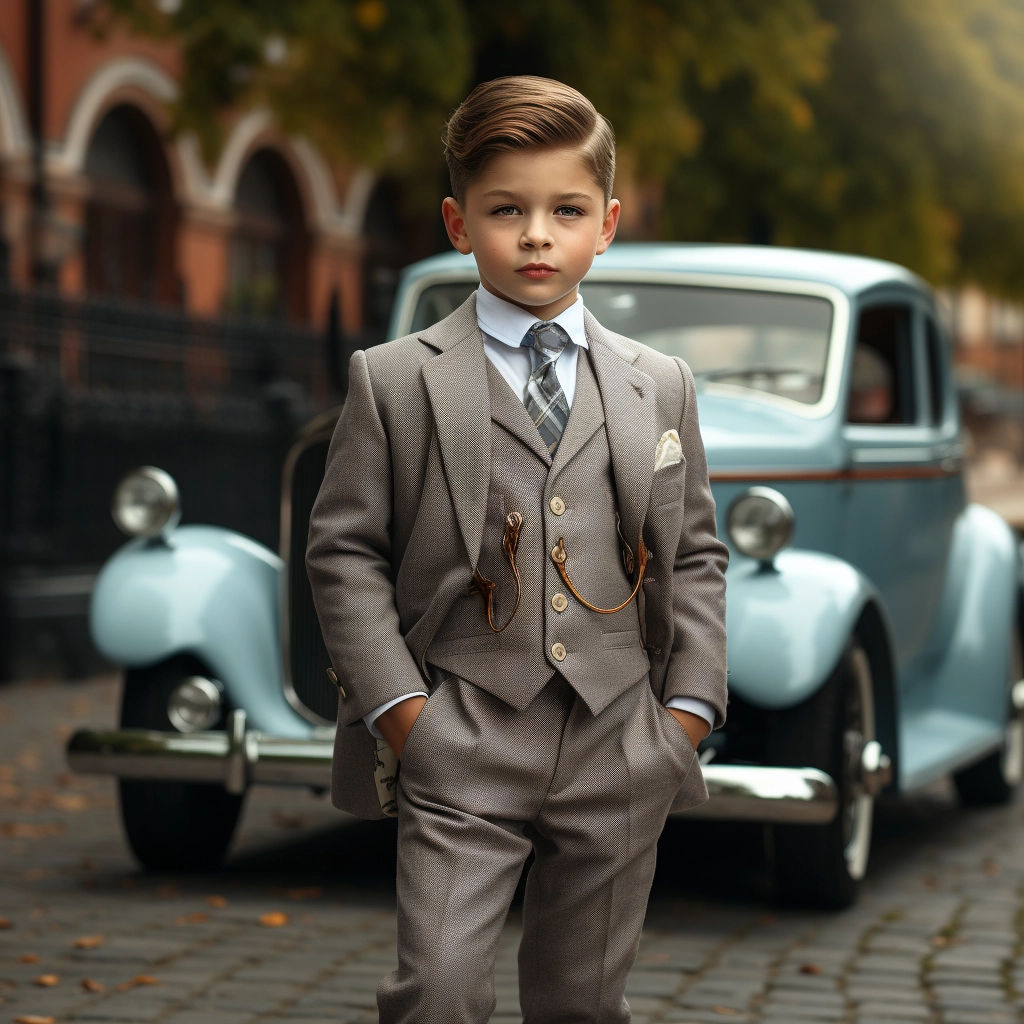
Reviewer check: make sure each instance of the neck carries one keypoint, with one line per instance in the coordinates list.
(548, 311)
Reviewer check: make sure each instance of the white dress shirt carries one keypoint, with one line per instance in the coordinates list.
(503, 326)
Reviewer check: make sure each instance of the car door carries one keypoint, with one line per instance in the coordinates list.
(903, 460)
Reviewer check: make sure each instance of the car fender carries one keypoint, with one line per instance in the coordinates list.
(205, 591)
(964, 668)
(788, 624)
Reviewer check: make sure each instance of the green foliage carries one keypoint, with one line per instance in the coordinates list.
(887, 127)
(912, 154)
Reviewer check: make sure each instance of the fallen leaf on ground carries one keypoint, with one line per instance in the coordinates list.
(216, 901)
(29, 759)
(197, 918)
(26, 830)
(29, 1018)
(9, 791)
(46, 980)
(725, 1011)
(6, 922)
(309, 893)
(92, 986)
(88, 941)
(275, 919)
(139, 979)
(68, 801)
(29, 958)
(64, 779)
(810, 969)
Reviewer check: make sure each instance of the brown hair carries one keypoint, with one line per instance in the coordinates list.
(509, 114)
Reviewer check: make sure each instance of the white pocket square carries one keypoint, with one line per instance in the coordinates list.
(669, 452)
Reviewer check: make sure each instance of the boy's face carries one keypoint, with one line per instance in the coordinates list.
(534, 220)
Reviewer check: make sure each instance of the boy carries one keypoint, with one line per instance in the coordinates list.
(516, 520)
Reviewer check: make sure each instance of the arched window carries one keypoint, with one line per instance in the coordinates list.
(268, 251)
(129, 226)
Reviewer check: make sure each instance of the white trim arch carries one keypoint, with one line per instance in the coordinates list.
(15, 138)
(68, 156)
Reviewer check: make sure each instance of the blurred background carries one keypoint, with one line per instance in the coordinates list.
(205, 204)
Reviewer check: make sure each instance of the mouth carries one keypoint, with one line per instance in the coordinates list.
(536, 271)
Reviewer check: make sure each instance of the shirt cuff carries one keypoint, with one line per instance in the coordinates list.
(372, 717)
(691, 704)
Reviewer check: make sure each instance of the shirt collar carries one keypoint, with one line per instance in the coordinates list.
(508, 323)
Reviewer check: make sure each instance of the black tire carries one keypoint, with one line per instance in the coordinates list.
(822, 865)
(993, 781)
(171, 826)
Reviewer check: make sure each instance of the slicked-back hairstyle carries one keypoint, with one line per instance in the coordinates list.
(510, 114)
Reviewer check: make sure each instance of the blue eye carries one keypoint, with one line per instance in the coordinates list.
(569, 211)
(505, 211)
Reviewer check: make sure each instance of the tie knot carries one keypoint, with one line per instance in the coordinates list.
(546, 337)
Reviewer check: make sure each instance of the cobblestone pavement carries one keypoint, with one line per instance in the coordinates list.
(936, 937)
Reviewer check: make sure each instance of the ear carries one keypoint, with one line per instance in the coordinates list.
(608, 227)
(455, 225)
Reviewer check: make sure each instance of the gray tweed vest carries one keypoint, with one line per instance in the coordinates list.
(571, 498)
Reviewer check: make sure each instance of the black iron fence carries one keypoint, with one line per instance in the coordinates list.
(92, 389)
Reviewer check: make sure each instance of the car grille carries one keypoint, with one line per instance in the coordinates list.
(306, 656)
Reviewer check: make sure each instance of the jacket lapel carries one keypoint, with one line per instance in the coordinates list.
(456, 381)
(629, 409)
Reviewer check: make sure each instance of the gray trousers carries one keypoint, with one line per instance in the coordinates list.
(482, 785)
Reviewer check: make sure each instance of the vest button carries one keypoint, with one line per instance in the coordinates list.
(557, 505)
(559, 602)
(558, 652)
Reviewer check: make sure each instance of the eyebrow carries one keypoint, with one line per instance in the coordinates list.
(502, 193)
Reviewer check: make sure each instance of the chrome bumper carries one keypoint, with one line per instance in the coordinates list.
(241, 757)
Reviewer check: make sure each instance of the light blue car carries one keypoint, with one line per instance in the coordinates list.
(874, 616)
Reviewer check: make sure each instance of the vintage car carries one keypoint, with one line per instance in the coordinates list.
(873, 615)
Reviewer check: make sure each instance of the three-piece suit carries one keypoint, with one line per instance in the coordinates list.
(549, 736)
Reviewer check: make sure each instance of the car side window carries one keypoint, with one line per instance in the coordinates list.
(936, 380)
(882, 388)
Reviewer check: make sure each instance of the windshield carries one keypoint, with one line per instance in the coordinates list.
(765, 341)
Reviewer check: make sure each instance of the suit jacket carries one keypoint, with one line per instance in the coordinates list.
(408, 472)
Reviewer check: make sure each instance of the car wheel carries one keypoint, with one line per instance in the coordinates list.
(994, 780)
(171, 826)
(822, 865)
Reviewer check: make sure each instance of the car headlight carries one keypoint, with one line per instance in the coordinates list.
(146, 502)
(760, 523)
(194, 705)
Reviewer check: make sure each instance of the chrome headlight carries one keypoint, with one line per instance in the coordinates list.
(146, 502)
(760, 523)
(194, 705)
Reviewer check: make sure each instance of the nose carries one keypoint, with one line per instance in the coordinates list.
(536, 234)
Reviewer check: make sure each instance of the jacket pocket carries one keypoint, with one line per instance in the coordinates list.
(668, 484)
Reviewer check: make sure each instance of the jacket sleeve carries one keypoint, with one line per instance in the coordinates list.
(348, 559)
(697, 663)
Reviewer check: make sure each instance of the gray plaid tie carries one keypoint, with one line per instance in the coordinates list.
(544, 400)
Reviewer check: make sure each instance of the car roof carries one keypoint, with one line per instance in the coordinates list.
(850, 274)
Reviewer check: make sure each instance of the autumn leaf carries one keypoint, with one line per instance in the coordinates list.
(46, 980)
(29, 958)
(26, 830)
(810, 969)
(29, 1018)
(216, 901)
(68, 801)
(88, 942)
(139, 979)
(89, 985)
(275, 919)
(6, 923)
(197, 918)
(309, 893)
(725, 1011)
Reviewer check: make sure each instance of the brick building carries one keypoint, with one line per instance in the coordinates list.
(131, 211)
